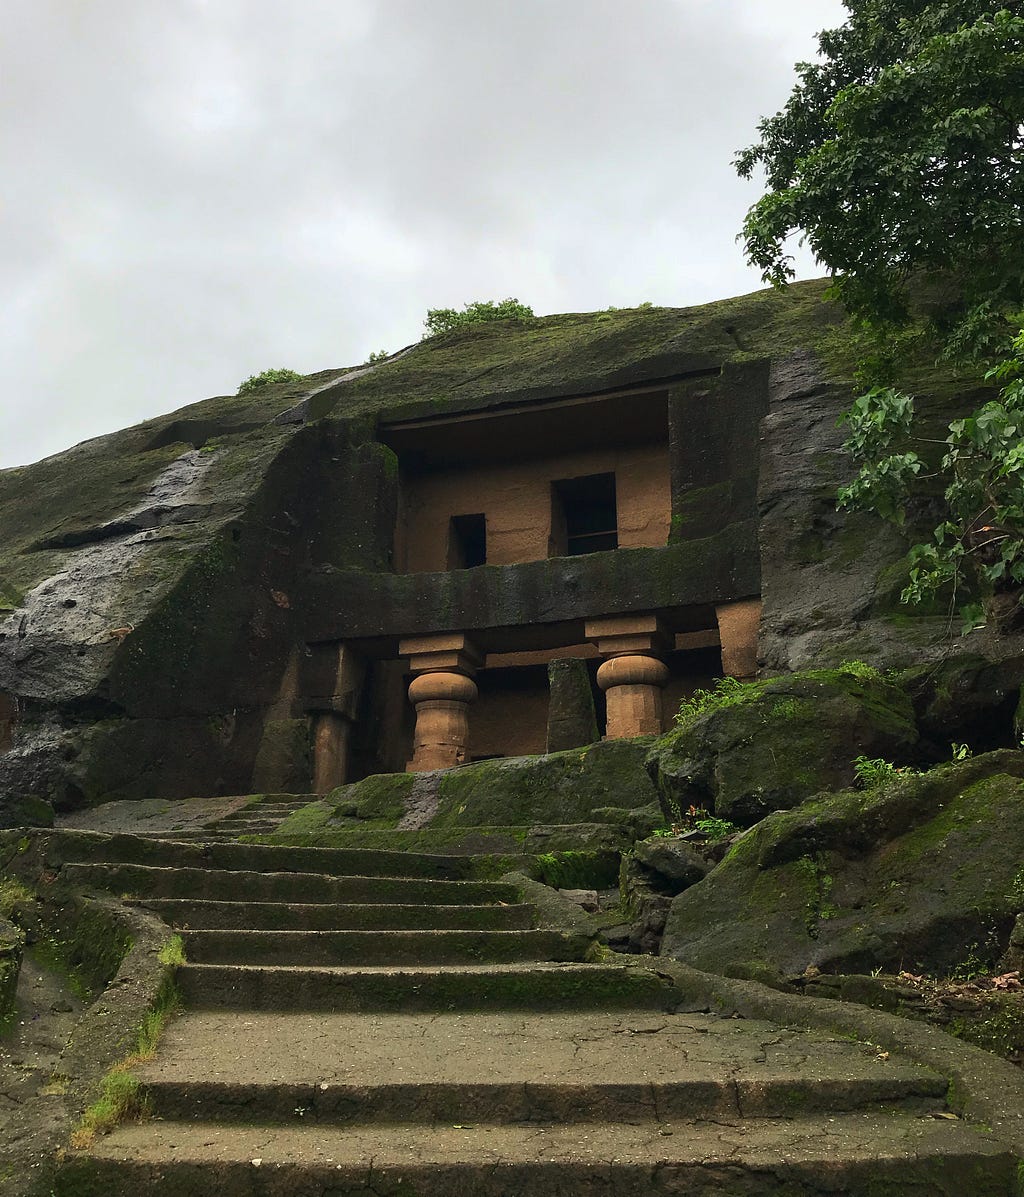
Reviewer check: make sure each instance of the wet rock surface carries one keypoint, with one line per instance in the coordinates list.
(773, 744)
(917, 874)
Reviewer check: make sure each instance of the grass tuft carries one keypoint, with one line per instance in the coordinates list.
(119, 1101)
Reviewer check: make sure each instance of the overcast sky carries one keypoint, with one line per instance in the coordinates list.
(196, 190)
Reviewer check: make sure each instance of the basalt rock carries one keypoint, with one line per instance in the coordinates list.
(772, 744)
(920, 874)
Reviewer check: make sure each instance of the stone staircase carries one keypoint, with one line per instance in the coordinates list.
(387, 1024)
(255, 818)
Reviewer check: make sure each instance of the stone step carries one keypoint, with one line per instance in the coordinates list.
(348, 948)
(537, 986)
(860, 1154)
(146, 880)
(183, 913)
(86, 847)
(473, 841)
(558, 1066)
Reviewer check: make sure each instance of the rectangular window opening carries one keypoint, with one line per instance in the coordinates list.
(467, 541)
(584, 518)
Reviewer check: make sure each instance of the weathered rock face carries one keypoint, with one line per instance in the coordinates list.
(920, 874)
(969, 698)
(161, 588)
(773, 744)
(571, 719)
(158, 654)
(830, 580)
(651, 876)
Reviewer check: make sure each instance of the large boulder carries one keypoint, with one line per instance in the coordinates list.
(768, 745)
(604, 783)
(970, 697)
(922, 873)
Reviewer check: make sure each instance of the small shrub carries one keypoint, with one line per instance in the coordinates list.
(376, 355)
(874, 772)
(728, 692)
(714, 828)
(257, 382)
(697, 819)
(441, 320)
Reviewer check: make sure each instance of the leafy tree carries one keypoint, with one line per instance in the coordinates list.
(902, 152)
(441, 320)
(980, 539)
(900, 158)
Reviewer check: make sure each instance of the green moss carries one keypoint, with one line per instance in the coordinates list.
(559, 788)
(999, 1029)
(578, 870)
(440, 840)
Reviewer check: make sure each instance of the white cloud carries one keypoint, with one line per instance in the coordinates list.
(193, 192)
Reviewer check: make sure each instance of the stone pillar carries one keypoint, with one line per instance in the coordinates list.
(632, 686)
(571, 719)
(738, 625)
(331, 735)
(441, 692)
(633, 675)
(332, 681)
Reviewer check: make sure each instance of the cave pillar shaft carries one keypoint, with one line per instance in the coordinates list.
(738, 625)
(441, 690)
(632, 675)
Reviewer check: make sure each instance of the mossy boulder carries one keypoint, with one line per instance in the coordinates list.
(920, 874)
(969, 697)
(766, 746)
(578, 786)
(561, 787)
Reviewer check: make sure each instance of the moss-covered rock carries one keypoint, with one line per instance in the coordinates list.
(577, 786)
(572, 722)
(769, 745)
(918, 874)
(969, 697)
(562, 787)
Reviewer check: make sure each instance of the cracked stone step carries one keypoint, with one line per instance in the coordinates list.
(555, 1066)
(163, 882)
(433, 946)
(859, 1154)
(368, 989)
(183, 913)
(89, 848)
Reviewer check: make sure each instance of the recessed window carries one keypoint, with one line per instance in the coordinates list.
(583, 516)
(467, 541)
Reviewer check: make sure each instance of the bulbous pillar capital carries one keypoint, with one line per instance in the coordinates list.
(632, 669)
(441, 739)
(632, 684)
(442, 687)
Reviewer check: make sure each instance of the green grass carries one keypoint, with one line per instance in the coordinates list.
(119, 1101)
